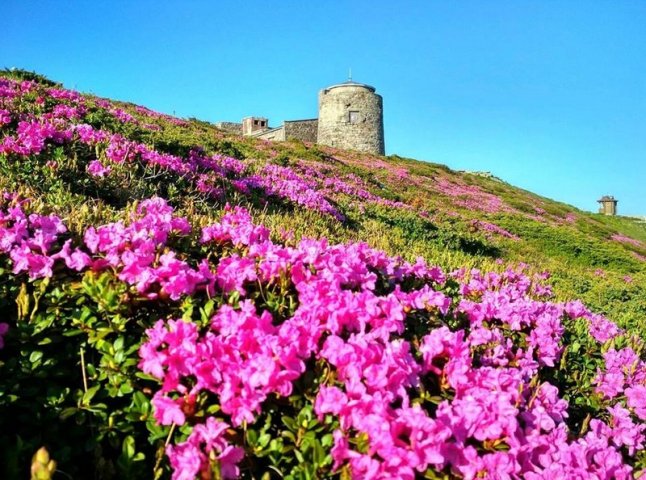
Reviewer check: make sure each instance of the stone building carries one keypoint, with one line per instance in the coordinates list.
(608, 205)
(304, 130)
(350, 117)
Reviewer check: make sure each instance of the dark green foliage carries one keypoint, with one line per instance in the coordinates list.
(21, 74)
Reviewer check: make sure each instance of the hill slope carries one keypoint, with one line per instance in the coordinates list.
(178, 299)
(402, 206)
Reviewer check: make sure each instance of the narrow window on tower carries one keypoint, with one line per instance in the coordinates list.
(353, 117)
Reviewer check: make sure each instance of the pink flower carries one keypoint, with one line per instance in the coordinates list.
(167, 411)
(205, 442)
(329, 400)
(636, 399)
(186, 460)
(97, 169)
(624, 431)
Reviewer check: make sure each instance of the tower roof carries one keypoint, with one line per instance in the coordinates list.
(607, 198)
(350, 83)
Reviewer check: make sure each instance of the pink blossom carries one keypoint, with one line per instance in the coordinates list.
(167, 411)
(636, 396)
(96, 169)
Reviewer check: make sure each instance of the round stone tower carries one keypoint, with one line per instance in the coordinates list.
(351, 117)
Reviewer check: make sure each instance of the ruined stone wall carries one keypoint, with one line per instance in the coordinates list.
(351, 117)
(304, 130)
(230, 127)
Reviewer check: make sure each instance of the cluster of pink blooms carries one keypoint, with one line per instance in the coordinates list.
(283, 182)
(121, 115)
(497, 422)
(466, 401)
(625, 373)
(192, 459)
(156, 115)
(624, 239)
(471, 197)
(350, 184)
(353, 306)
(64, 124)
(493, 228)
(137, 253)
(33, 241)
(570, 217)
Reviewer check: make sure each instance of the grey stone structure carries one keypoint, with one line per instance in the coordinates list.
(251, 125)
(608, 205)
(350, 117)
(304, 130)
(273, 134)
(230, 127)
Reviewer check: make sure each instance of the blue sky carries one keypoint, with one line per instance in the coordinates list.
(548, 95)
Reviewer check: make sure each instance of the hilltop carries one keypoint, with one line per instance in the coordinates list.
(403, 206)
(179, 300)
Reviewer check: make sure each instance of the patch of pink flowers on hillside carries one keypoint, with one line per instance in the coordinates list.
(345, 318)
(353, 310)
(471, 197)
(67, 121)
(624, 239)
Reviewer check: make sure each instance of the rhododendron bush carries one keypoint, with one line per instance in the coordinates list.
(147, 332)
(224, 352)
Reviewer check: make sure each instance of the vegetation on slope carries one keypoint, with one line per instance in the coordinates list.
(91, 162)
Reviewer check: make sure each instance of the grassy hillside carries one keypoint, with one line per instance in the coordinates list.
(405, 207)
(176, 300)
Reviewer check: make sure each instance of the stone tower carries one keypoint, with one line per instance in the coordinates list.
(608, 205)
(351, 117)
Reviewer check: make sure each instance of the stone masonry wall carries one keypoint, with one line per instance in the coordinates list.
(304, 130)
(230, 127)
(362, 130)
(608, 208)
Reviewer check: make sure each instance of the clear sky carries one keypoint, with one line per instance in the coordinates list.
(549, 95)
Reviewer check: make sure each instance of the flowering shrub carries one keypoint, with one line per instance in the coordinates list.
(492, 228)
(471, 196)
(624, 239)
(149, 344)
(358, 363)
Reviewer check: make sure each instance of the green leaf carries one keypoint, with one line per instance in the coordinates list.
(118, 344)
(263, 440)
(67, 412)
(289, 423)
(35, 356)
(128, 447)
(89, 395)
